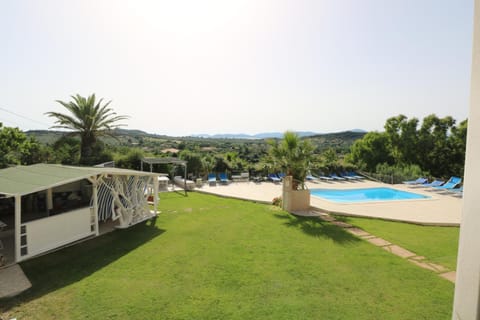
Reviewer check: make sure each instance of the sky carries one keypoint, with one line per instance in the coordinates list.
(214, 66)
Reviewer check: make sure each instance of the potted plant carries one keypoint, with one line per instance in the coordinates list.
(293, 155)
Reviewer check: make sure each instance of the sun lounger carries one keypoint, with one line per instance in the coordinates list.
(273, 177)
(244, 176)
(311, 178)
(334, 176)
(435, 183)
(223, 178)
(418, 181)
(354, 174)
(456, 191)
(450, 184)
(182, 183)
(212, 179)
(324, 177)
(347, 176)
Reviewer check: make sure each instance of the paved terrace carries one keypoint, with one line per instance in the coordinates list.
(441, 209)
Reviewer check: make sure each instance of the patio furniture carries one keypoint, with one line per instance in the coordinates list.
(274, 178)
(450, 184)
(418, 181)
(212, 179)
(223, 178)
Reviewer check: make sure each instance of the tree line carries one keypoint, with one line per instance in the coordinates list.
(434, 147)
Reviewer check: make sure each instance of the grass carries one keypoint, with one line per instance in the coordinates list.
(213, 258)
(437, 244)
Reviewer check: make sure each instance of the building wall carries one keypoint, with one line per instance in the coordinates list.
(466, 302)
(53, 232)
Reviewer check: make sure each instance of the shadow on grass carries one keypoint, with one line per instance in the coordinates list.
(66, 266)
(315, 227)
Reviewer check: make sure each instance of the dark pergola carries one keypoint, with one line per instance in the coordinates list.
(167, 160)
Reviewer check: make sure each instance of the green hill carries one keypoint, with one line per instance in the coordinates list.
(340, 141)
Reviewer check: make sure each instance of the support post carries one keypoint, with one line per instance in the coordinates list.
(185, 179)
(95, 204)
(155, 194)
(18, 226)
(49, 200)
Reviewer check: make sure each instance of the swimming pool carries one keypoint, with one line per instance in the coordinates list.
(365, 195)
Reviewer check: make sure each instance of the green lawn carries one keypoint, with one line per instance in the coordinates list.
(437, 244)
(214, 258)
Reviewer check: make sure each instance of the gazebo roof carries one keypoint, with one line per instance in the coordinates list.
(21, 180)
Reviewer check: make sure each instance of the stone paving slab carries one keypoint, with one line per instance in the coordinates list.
(437, 267)
(341, 224)
(450, 276)
(306, 213)
(418, 258)
(399, 251)
(326, 217)
(379, 242)
(358, 232)
(423, 265)
(13, 281)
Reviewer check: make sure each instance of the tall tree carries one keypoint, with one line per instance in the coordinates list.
(402, 136)
(371, 150)
(89, 119)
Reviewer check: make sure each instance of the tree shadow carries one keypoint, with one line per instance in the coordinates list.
(316, 227)
(71, 264)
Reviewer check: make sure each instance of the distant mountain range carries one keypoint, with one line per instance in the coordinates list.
(49, 136)
(263, 135)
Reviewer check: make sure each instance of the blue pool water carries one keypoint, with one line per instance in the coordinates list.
(365, 195)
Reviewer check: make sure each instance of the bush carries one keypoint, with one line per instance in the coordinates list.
(131, 160)
(277, 201)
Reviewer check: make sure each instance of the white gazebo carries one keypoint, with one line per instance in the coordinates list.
(44, 206)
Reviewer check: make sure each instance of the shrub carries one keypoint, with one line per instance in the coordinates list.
(277, 201)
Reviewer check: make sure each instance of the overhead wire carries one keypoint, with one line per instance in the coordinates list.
(26, 118)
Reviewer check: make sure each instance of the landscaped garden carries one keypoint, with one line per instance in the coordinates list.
(207, 257)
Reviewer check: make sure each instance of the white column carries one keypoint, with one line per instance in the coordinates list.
(49, 200)
(155, 194)
(95, 205)
(467, 287)
(18, 223)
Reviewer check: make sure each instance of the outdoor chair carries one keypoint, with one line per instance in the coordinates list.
(212, 179)
(223, 178)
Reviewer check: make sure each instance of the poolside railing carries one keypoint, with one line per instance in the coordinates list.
(387, 178)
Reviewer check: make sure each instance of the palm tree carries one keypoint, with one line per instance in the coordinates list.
(294, 156)
(88, 119)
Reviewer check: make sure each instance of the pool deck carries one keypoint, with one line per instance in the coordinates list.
(442, 208)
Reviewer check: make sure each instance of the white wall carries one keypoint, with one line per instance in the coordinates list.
(58, 230)
(467, 287)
